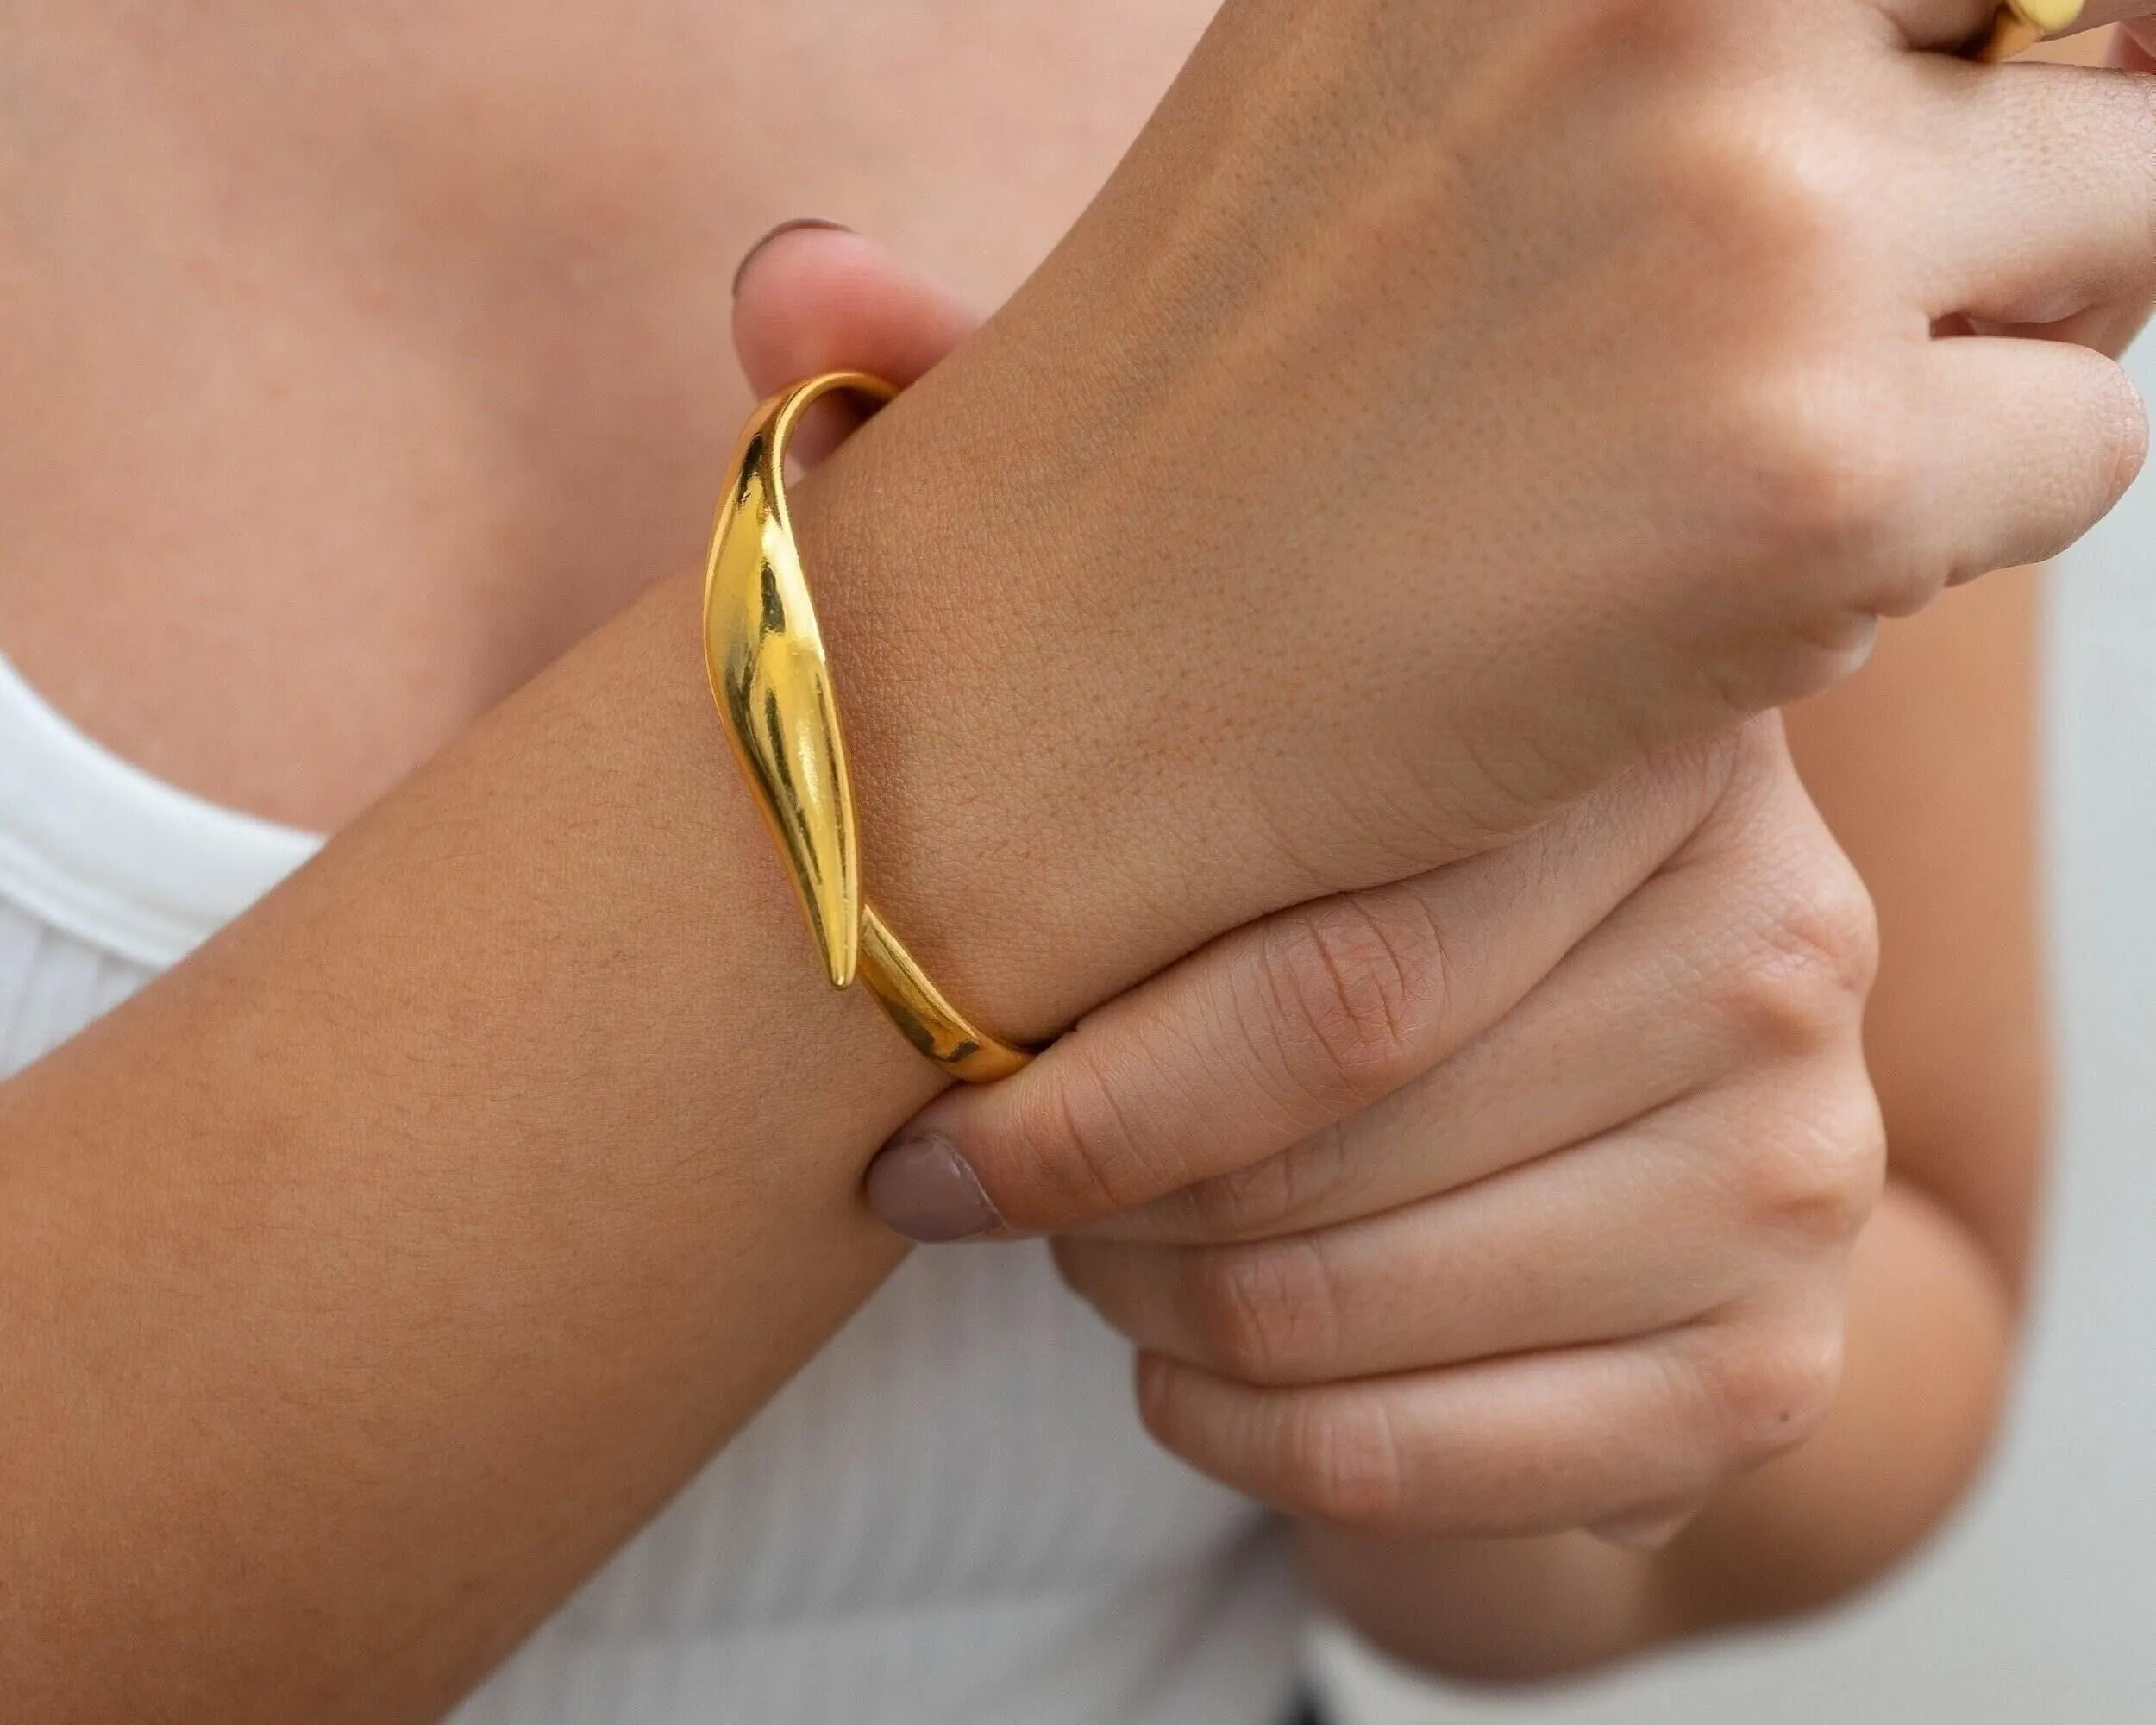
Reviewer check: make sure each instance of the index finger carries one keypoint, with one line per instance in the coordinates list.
(1276, 1031)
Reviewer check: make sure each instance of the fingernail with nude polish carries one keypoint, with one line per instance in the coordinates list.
(749, 256)
(925, 1189)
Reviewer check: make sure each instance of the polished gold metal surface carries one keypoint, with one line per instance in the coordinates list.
(929, 1022)
(772, 682)
(2019, 25)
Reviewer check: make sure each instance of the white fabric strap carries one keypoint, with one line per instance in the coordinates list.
(115, 857)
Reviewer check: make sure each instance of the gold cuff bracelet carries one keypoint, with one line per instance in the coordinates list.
(772, 682)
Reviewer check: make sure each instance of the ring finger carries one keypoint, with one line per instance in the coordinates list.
(1635, 1232)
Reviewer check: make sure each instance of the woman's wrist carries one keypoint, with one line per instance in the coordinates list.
(1019, 831)
(440, 1217)
(1357, 505)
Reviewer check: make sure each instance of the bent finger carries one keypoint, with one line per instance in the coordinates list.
(1274, 1031)
(1752, 948)
(1542, 1444)
(2037, 441)
(1633, 1233)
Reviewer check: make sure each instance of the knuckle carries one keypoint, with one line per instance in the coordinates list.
(1829, 929)
(1277, 1192)
(1800, 979)
(1819, 464)
(1815, 455)
(1085, 1155)
(1243, 1198)
(1765, 1393)
(1268, 1312)
(1341, 1459)
(1349, 987)
(1819, 1177)
(1756, 180)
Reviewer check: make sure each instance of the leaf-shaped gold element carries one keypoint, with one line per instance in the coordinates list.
(773, 683)
(765, 654)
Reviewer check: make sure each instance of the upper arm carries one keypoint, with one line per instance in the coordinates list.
(1925, 766)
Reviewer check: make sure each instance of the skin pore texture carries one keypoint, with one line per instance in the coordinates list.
(413, 397)
(408, 399)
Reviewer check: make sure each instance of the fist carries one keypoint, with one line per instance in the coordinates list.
(1516, 1198)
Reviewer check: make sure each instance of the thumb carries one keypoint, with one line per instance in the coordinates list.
(811, 297)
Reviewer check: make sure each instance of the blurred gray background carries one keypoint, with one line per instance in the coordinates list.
(2040, 1606)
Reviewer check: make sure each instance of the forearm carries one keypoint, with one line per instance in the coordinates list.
(373, 1276)
(1931, 1336)
(377, 1272)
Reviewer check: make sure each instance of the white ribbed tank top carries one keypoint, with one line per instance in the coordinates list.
(951, 1517)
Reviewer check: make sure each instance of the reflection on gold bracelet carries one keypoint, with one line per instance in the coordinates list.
(772, 682)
